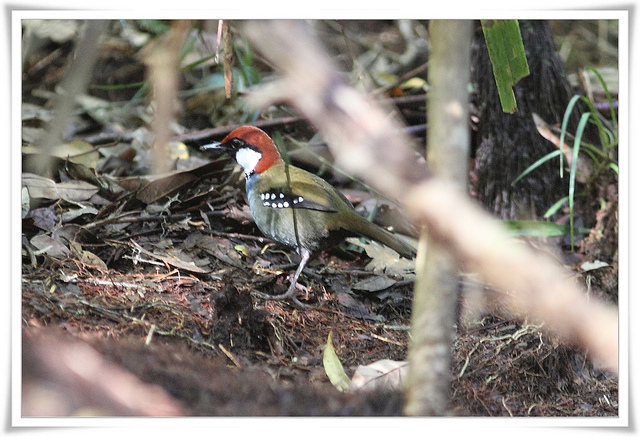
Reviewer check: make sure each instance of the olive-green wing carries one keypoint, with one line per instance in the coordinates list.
(306, 190)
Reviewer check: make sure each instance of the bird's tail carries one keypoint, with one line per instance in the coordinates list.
(366, 229)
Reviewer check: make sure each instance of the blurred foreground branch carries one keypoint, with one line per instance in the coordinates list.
(75, 82)
(163, 58)
(368, 143)
(70, 378)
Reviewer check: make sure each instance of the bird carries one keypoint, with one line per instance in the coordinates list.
(295, 207)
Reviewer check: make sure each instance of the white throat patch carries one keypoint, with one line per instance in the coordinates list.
(248, 159)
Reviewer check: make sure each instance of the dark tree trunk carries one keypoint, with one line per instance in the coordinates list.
(509, 143)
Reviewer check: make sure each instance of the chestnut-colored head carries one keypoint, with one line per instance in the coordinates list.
(251, 147)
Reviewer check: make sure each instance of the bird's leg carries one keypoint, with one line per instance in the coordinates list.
(290, 294)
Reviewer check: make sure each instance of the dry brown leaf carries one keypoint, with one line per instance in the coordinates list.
(384, 259)
(374, 283)
(76, 191)
(50, 246)
(43, 218)
(78, 152)
(87, 257)
(44, 188)
(72, 214)
(153, 187)
(221, 248)
(174, 262)
(39, 187)
(584, 166)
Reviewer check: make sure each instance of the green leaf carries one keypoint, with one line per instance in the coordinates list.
(333, 367)
(156, 27)
(533, 228)
(556, 207)
(240, 248)
(508, 60)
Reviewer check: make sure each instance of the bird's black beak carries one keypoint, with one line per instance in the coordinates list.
(215, 145)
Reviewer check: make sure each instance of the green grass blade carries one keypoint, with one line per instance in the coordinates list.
(614, 119)
(565, 123)
(572, 175)
(537, 164)
(556, 206)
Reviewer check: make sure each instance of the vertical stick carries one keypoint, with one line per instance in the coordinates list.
(163, 71)
(436, 295)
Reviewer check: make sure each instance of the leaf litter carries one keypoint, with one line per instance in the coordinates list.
(160, 275)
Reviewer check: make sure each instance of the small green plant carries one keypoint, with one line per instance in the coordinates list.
(603, 157)
(243, 52)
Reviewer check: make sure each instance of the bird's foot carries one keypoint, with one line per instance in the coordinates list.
(289, 295)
